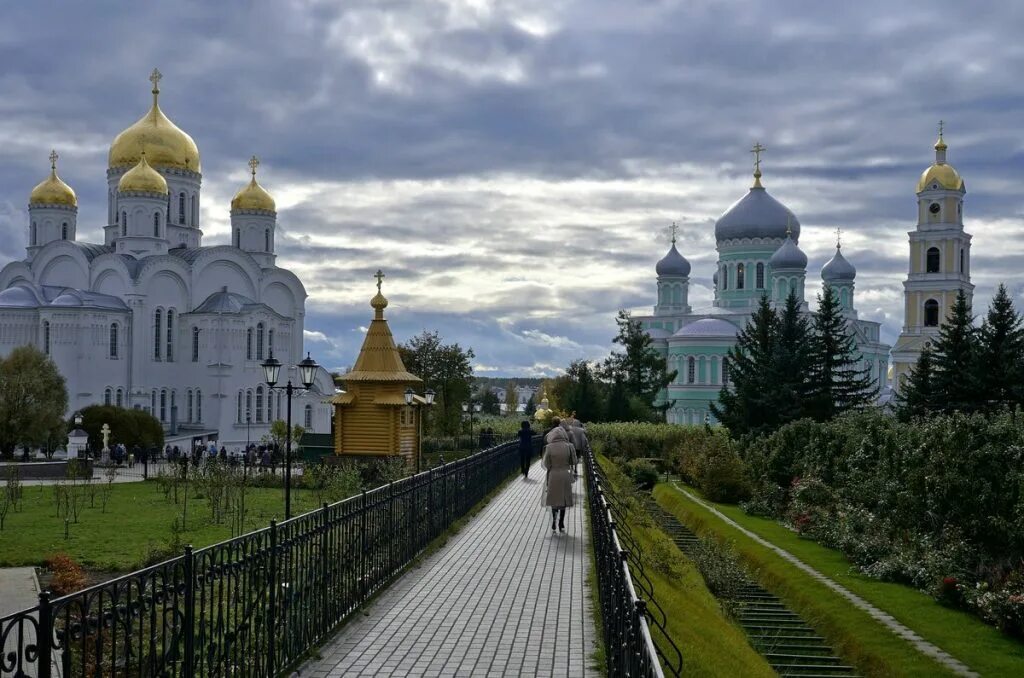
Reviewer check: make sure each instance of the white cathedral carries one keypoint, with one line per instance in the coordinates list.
(151, 318)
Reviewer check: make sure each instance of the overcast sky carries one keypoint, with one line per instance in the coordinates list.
(513, 165)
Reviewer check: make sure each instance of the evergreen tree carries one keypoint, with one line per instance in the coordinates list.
(578, 391)
(1000, 354)
(641, 368)
(917, 397)
(792, 363)
(955, 355)
(531, 405)
(619, 408)
(511, 398)
(837, 383)
(746, 405)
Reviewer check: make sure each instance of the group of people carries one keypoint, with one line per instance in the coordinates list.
(564, 442)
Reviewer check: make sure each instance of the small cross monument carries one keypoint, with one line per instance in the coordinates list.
(105, 431)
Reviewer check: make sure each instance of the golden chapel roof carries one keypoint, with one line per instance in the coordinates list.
(941, 173)
(52, 190)
(163, 141)
(253, 196)
(143, 179)
(379, 360)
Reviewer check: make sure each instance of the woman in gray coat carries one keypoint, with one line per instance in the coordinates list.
(559, 460)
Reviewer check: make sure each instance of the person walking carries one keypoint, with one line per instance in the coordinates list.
(525, 448)
(579, 441)
(559, 460)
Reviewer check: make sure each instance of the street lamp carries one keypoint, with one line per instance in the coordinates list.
(307, 372)
(471, 407)
(428, 400)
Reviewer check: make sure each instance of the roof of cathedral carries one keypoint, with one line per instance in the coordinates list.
(756, 215)
(838, 268)
(941, 174)
(71, 297)
(789, 255)
(19, 296)
(143, 179)
(708, 327)
(253, 196)
(379, 360)
(673, 263)
(52, 190)
(27, 296)
(161, 139)
(93, 250)
(226, 302)
(188, 254)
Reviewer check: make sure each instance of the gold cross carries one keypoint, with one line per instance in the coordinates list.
(53, 160)
(757, 150)
(154, 78)
(379, 275)
(254, 162)
(941, 124)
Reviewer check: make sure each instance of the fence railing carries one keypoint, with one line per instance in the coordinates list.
(253, 605)
(630, 648)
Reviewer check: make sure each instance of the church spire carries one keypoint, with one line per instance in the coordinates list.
(757, 150)
(940, 146)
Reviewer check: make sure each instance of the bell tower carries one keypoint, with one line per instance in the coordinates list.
(940, 260)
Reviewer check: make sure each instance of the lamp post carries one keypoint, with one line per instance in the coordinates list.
(471, 407)
(307, 373)
(428, 400)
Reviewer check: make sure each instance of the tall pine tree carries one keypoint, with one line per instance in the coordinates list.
(1000, 354)
(917, 397)
(745, 405)
(792, 362)
(955, 352)
(641, 368)
(838, 384)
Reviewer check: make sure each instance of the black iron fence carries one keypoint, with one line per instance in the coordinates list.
(253, 605)
(627, 617)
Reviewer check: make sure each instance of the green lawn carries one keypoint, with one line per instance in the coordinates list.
(855, 636)
(135, 528)
(982, 647)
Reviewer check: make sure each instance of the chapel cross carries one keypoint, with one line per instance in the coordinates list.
(53, 160)
(254, 162)
(155, 78)
(106, 435)
(941, 124)
(757, 150)
(379, 275)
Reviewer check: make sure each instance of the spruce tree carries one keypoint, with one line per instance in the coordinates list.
(745, 405)
(642, 370)
(955, 355)
(838, 383)
(1000, 354)
(792, 362)
(917, 397)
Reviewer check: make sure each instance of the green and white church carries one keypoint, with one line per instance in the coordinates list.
(757, 240)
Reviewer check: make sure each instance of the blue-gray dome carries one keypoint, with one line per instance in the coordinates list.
(18, 296)
(838, 269)
(708, 327)
(788, 256)
(756, 215)
(673, 264)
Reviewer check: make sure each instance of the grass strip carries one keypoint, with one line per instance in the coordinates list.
(854, 635)
(982, 647)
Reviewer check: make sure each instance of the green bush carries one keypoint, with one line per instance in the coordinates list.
(128, 426)
(643, 473)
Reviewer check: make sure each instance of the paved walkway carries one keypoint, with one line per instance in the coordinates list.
(17, 589)
(890, 622)
(503, 598)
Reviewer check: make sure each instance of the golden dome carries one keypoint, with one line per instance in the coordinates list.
(942, 174)
(253, 196)
(52, 190)
(142, 179)
(164, 142)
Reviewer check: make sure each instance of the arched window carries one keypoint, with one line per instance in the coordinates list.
(740, 270)
(961, 259)
(270, 406)
(932, 258)
(188, 406)
(270, 341)
(107, 396)
(119, 398)
(931, 313)
(195, 214)
(279, 399)
(724, 277)
(181, 208)
(124, 223)
(156, 224)
(64, 231)
(46, 337)
(238, 238)
(169, 357)
(199, 406)
(174, 404)
(259, 341)
(195, 344)
(691, 370)
(725, 371)
(266, 240)
(32, 235)
(307, 420)
(238, 415)
(113, 341)
(248, 405)
(157, 334)
(760, 276)
(248, 344)
(163, 405)
(152, 403)
(259, 404)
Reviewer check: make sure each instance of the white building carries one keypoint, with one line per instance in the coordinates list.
(151, 318)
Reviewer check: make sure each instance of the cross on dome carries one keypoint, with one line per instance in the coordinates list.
(674, 229)
(757, 150)
(379, 275)
(254, 162)
(838, 232)
(155, 78)
(53, 159)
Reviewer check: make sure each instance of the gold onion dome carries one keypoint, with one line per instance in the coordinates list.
(941, 173)
(52, 190)
(165, 144)
(142, 179)
(253, 196)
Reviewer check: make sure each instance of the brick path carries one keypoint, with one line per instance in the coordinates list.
(503, 598)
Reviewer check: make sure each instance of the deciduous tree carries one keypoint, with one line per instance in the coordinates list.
(33, 398)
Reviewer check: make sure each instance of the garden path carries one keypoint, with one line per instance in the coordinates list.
(908, 634)
(503, 597)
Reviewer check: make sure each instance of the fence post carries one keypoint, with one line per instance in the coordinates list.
(188, 669)
(326, 572)
(272, 596)
(44, 636)
(362, 548)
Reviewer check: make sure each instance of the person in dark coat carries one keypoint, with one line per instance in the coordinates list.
(526, 435)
